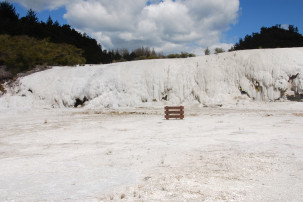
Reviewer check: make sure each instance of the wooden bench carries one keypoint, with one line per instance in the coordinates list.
(174, 112)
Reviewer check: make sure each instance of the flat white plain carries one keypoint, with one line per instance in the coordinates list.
(213, 154)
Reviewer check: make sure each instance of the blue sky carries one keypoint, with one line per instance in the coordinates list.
(255, 14)
(249, 17)
(56, 14)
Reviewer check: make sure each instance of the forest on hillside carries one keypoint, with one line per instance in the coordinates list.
(271, 37)
(27, 42)
(29, 25)
(22, 53)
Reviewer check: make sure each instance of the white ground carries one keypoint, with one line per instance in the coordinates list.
(252, 152)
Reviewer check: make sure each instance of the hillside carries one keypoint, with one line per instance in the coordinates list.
(261, 75)
(31, 26)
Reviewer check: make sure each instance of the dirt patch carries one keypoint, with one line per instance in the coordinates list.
(298, 114)
(2, 90)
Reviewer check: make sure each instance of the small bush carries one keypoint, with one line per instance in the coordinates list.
(219, 50)
(182, 55)
(207, 51)
(173, 56)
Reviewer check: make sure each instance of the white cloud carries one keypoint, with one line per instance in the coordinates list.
(168, 26)
(39, 5)
(285, 26)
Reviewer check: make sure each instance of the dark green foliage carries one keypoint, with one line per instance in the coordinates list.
(173, 55)
(182, 55)
(273, 37)
(8, 18)
(207, 51)
(30, 18)
(22, 53)
(219, 50)
(49, 21)
(29, 25)
(143, 53)
(8, 12)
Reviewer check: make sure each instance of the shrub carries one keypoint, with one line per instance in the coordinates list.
(219, 50)
(173, 56)
(182, 55)
(207, 51)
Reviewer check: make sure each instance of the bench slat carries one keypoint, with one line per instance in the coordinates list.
(174, 112)
(177, 107)
(174, 116)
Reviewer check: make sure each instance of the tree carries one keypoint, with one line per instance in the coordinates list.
(153, 53)
(8, 12)
(8, 19)
(31, 17)
(184, 55)
(207, 51)
(117, 55)
(29, 25)
(219, 50)
(49, 21)
(271, 37)
(56, 24)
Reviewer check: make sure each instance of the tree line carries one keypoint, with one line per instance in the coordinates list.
(85, 49)
(143, 53)
(271, 37)
(29, 25)
(53, 32)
